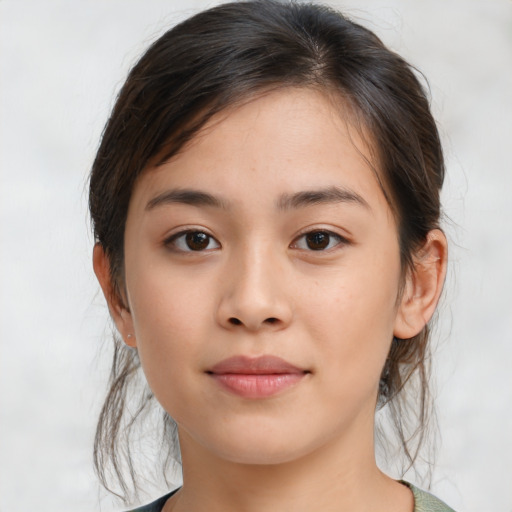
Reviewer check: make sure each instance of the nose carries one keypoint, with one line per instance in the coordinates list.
(254, 292)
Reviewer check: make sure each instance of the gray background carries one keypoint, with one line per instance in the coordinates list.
(61, 64)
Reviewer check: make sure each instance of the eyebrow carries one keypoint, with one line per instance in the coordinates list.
(305, 198)
(328, 195)
(186, 196)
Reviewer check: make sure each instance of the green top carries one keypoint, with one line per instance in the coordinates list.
(426, 502)
(423, 502)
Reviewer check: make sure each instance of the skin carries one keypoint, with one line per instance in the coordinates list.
(257, 288)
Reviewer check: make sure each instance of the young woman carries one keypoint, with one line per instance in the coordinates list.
(265, 202)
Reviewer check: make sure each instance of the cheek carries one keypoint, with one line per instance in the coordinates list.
(165, 298)
(352, 315)
(166, 311)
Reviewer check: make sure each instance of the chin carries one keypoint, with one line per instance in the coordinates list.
(261, 448)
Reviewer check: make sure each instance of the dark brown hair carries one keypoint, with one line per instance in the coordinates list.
(224, 56)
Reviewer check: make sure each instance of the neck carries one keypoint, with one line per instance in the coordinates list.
(341, 475)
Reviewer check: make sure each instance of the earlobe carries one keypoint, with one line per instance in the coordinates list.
(423, 286)
(118, 311)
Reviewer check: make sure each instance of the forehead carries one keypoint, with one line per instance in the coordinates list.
(279, 142)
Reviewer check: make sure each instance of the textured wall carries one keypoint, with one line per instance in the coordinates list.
(60, 66)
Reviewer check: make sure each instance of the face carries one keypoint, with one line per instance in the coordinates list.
(262, 273)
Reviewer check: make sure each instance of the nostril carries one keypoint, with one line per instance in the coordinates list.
(235, 321)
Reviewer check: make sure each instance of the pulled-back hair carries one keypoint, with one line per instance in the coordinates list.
(220, 58)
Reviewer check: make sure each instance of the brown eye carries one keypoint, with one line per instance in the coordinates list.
(318, 241)
(197, 241)
(188, 241)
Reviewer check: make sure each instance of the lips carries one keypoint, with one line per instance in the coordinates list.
(259, 377)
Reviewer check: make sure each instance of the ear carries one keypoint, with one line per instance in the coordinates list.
(423, 286)
(118, 311)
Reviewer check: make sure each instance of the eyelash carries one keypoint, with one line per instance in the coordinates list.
(340, 240)
(172, 241)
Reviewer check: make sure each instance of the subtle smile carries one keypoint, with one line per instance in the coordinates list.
(259, 377)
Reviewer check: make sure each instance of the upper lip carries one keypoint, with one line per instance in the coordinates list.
(262, 365)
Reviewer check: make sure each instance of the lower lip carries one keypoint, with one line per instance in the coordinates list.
(257, 386)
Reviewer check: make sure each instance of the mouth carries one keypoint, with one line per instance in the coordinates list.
(259, 377)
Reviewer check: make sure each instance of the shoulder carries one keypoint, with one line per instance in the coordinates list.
(155, 506)
(426, 502)
(423, 502)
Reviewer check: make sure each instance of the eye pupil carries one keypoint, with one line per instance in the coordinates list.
(317, 240)
(197, 241)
